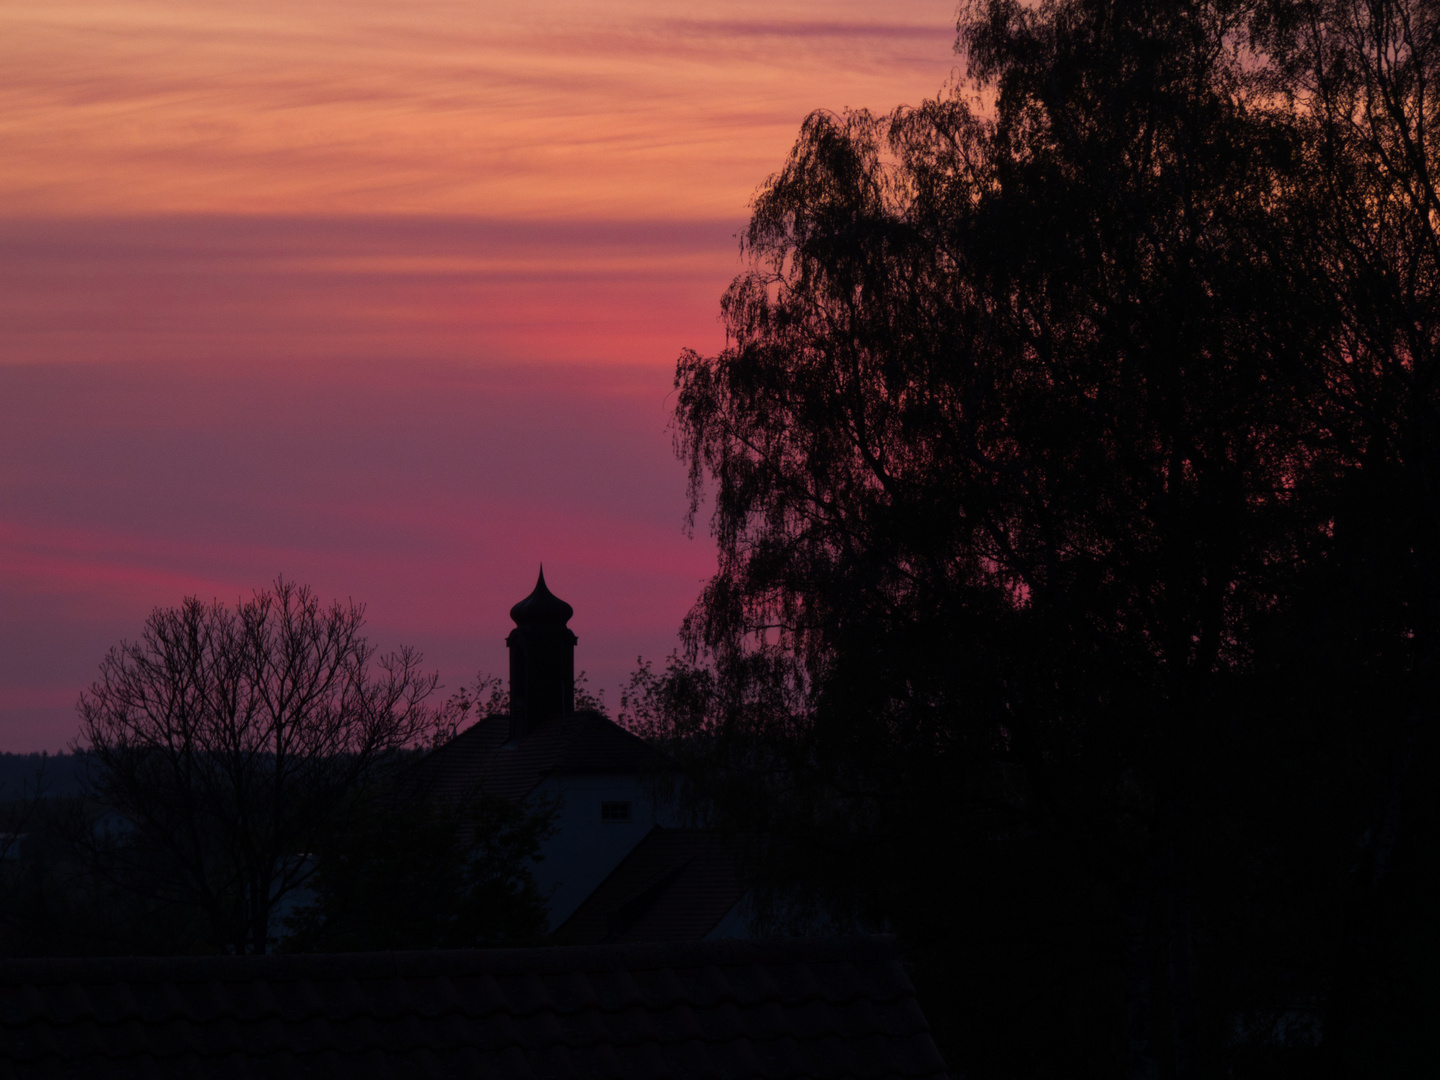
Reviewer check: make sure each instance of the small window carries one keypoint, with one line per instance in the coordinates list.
(615, 811)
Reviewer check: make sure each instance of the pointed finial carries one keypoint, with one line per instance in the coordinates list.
(541, 607)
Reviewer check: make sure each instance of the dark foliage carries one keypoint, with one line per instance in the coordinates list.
(420, 875)
(247, 785)
(63, 898)
(1073, 477)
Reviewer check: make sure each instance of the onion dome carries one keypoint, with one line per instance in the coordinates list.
(541, 607)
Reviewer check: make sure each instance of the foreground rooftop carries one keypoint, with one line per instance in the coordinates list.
(790, 1008)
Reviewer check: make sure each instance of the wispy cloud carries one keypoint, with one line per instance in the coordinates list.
(812, 29)
(553, 109)
(232, 288)
(383, 296)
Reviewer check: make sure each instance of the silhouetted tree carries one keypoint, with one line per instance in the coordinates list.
(1360, 81)
(1027, 464)
(227, 744)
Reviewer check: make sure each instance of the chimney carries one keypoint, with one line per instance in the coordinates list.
(542, 661)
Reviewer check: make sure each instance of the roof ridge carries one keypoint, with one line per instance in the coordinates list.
(553, 959)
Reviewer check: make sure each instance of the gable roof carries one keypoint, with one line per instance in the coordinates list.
(481, 758)
(794, 1008)
(676, 885)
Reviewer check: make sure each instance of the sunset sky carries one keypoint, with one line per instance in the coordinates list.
(383, 297)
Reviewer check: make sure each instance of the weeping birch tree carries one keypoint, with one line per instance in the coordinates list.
(1053, 412)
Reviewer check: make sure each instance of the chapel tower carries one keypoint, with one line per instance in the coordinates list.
(542, 660)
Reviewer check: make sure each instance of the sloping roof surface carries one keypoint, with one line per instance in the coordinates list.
(675, 886)
(480, 758)
(820, 1008)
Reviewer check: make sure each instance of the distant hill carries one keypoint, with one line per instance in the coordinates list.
(58, 775)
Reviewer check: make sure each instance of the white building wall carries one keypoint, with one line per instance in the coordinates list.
(584, 847)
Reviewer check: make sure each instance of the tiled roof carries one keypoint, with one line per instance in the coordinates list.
(820, 1008)
(480, 758)
(675, 886)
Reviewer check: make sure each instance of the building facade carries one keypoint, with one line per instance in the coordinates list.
(617, 866)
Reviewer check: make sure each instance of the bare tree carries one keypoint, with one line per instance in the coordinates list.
(226, 743)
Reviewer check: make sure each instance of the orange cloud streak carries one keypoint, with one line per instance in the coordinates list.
(554, 108)
(388, 297)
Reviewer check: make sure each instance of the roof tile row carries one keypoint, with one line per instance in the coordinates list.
(723, 1009)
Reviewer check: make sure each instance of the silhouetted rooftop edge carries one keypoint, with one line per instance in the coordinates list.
(481, 758)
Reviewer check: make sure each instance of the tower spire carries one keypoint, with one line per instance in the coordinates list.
(542, 660)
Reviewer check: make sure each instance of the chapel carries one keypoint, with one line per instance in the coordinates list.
(618, 867)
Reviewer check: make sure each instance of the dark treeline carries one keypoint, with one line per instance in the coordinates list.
(404, 872)
(24, 775)
(244, 781)
(1073, 462)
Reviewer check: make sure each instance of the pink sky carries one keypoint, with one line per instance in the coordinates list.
(384, 297)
